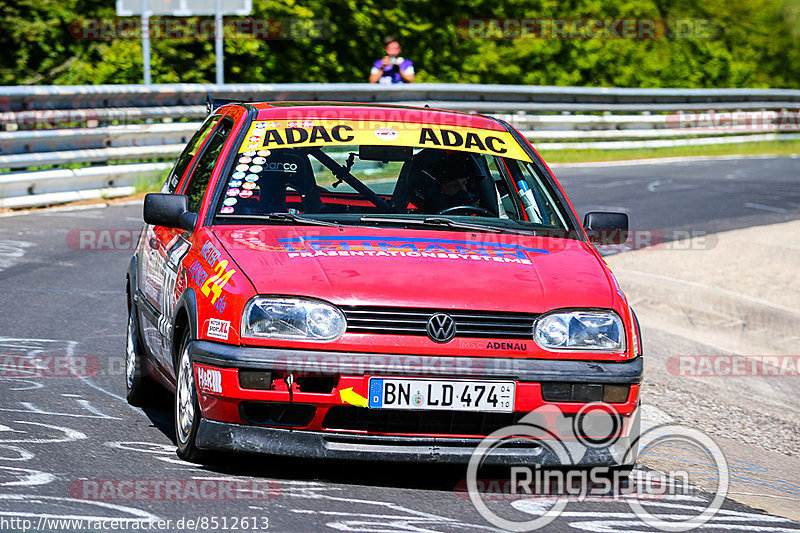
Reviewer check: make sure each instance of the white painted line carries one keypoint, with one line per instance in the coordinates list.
(26, 477)
(29, 500)
(765, 207)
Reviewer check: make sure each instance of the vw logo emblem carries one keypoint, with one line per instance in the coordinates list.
(441, 328)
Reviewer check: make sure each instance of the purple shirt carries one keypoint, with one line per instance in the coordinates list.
(391, 74)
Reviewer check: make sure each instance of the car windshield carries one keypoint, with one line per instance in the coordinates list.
(313, 171)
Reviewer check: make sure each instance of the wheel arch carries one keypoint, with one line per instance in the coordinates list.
(185, 321)
(131, 281)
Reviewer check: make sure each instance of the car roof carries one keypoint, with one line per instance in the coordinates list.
(372, 112)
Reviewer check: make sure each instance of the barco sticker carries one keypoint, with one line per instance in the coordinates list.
(218, 329)
(209, 380)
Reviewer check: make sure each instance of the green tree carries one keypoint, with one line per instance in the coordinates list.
(719, 43)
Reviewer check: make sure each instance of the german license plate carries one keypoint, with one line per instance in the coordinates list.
(434, 394)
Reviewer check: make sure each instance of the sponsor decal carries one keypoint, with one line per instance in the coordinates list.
(246, 193)
(225, 210)
(210, 253)
(278, 166)
(333, 132)
(453, 139)
(209, 379)
(197, 273)
(520, 346)
(370, 246)
(386, 134)
(218, 329)
(212, 287)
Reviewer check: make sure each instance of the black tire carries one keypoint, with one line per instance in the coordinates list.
(187, 408)
(140, 386)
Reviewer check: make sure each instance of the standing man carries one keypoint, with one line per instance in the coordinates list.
(392, 68)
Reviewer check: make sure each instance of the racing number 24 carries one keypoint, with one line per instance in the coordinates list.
(216, 282)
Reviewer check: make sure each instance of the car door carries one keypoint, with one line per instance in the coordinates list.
(168, 246)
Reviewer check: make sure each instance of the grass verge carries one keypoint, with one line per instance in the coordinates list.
(784, 148)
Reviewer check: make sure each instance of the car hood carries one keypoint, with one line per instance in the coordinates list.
(420, 268)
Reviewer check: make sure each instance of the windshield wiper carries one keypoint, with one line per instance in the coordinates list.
(443, 222)
(281, 217)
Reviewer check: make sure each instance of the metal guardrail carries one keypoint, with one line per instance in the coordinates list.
(60, 185)
(78, 125)
(100, 96)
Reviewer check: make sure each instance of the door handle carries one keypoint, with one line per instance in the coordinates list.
(153, 242)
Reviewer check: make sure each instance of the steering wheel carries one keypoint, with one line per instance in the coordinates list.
(466, 210)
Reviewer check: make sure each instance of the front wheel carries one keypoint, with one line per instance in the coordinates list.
(187, 408)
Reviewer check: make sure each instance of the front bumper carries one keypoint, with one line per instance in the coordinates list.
(212, 435)
(362, 364)
(315, 440)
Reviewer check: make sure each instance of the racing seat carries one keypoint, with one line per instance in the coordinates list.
(412, 184)
(287, 170)
(420, 182)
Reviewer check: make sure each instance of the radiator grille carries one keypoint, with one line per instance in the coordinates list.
(413, 321)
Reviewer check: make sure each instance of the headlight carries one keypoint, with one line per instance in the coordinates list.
(292, 318)
(580, 330)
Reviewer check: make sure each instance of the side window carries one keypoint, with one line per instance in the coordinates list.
(542, 200)
(507, 201)
(188, 154)
(198, 182)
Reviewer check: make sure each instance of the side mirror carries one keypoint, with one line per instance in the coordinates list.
(168, 210)
(606, 228)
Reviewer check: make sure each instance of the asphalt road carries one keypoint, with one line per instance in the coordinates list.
(73, 448)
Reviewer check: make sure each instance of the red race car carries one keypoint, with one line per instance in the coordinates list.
(376, 282)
